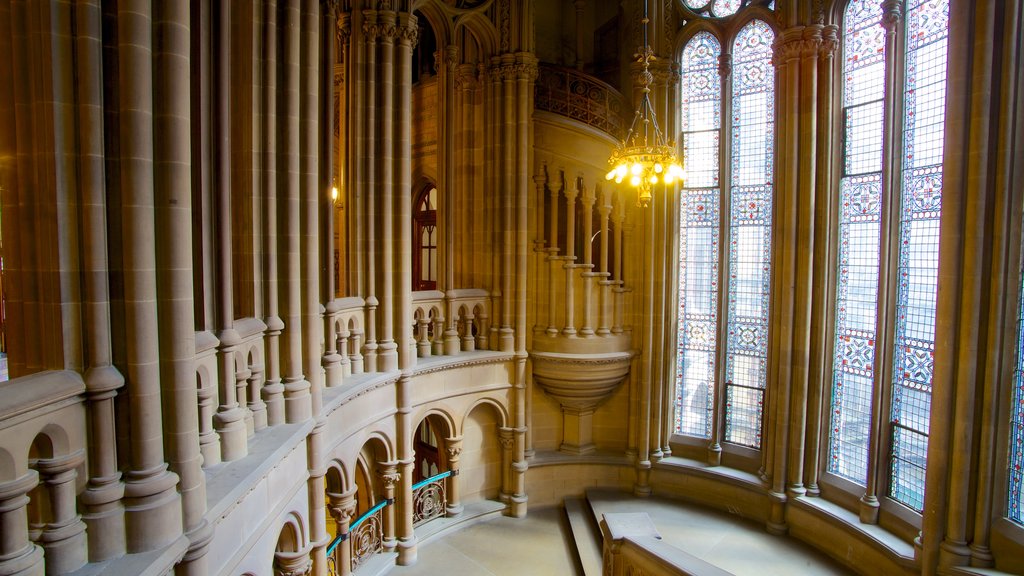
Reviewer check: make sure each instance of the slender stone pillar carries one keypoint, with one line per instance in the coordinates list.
(406, 536)
(806, 185)
(101, 500)
(453, 449)
(297, 395)
(63, 538)
(273, 388)
(343, 509)
(368, 186)
(152, 504)
(406, 36)
(389, 477)
(820, 327)
(257, 407)
(310, 201)
(230, 418)
(525, 76)
(330, 34)
(318, 534)
(507, 443)
(175, 307)
(18, 555)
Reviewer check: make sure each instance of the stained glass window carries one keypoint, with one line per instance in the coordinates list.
(1015, 473)
(698, 237)
(923, 129)
(750, 219)
(860, 190)
(725, 7)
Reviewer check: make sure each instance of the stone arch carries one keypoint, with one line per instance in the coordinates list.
(374, 451)
(52, 441)
(429, 441)
(336, 479)
(8, 468)
(482, 31)
(498, 407)
(481, 475)
(291, 554)
(292, 537)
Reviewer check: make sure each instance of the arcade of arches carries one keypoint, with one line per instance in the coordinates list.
(283, 281)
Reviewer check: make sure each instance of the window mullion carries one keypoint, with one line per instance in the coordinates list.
(724, 239)
(878, 453)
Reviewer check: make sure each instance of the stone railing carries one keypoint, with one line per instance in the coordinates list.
(42, 448)
(579, 96)
(446, 323)
(633, 547)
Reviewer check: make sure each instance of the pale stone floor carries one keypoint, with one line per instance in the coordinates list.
(541, 544)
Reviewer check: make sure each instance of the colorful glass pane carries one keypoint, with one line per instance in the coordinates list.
(1015, 470)
(750, 219)
(698, 237)
(725, 7)
(860, 197)
(917, 277)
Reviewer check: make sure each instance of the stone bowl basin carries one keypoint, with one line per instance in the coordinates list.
(580, 381)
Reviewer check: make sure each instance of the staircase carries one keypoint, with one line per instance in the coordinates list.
(583, 523)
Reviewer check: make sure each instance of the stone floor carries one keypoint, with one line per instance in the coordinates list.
(538, 545)
(541, 544)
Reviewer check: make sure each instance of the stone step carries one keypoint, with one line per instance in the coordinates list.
(585, 534)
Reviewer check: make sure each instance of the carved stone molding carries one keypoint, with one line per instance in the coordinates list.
(389, 477)
(891, 14)
(829, 40)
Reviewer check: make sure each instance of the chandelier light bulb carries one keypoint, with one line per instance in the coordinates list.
(658, 168)
(634, 181)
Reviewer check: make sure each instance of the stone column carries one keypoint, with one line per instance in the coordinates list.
(714, 453)
(17, 554)
(820, 328)
(385, 166)
(389, 477)
(63, 538)
(175, 307)
(526, 73)
(152, 504)
(806, 200)
(318, 534)
(506, 441)
(453, 449)
(507, 193)
(101, 500)
(257, 406)
(329, 34)
(230, 417)
(273, 388)
(310, 201)
(406, 505)
(297, 394)
(343, 509)
(406, 36)
(368, 185)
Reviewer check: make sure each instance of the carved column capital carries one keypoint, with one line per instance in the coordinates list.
(829, 40)
(389, 476)
(891, 14)
(407, 32)
(725, 65)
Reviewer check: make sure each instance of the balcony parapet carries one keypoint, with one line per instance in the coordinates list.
(581, 97)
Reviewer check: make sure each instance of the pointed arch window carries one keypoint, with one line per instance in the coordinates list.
(424, 237)
(722, 353)
(881, 190)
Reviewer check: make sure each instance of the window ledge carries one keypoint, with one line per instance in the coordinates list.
(896, 549)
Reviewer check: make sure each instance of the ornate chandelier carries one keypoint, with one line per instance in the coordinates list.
(645, 158)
